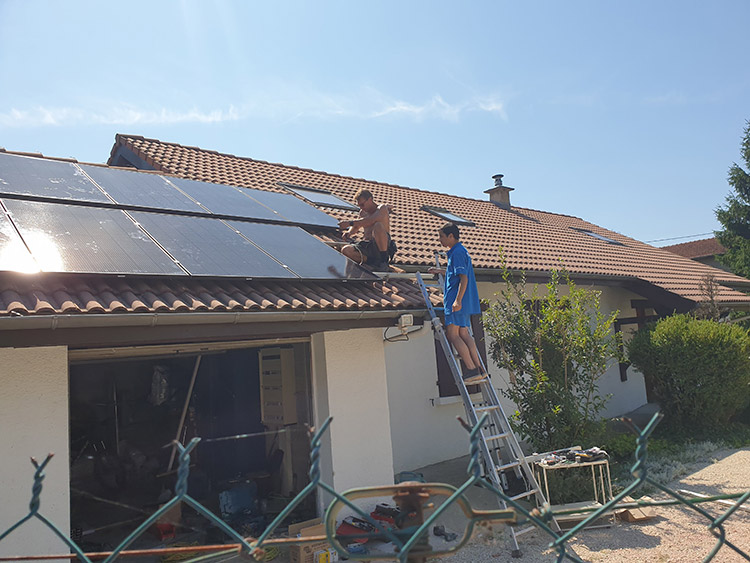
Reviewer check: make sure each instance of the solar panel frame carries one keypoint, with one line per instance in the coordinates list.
(306, 255)
(225, 200)
(44, 178)
(293, 209)
(210, 247)
(320, 197)
(85, 239)
(142, 189)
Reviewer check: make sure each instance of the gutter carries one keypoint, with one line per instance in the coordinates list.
(54, 322)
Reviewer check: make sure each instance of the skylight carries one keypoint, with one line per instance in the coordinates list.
(320, 197)
(597, 236)
(447, 215)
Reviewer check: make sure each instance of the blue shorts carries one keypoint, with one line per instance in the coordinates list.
(458, 318)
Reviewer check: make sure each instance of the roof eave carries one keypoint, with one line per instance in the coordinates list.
(108, 320)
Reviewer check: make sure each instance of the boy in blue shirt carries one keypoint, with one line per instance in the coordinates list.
(461, 300)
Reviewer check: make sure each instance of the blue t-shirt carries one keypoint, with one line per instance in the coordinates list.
(459, 262)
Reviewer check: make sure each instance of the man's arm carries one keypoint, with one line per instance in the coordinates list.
(380, 215)
(461, 290)
(350, 226)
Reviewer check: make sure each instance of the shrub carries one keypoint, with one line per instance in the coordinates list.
(555, 348)
(699, 370)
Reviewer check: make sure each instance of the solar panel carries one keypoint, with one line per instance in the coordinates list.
(293, 209)
(75, 238)
(14, 256)
(209, 247)
(141, 188)
(303, 253)
(321, 197)
(224, 200)
(22, 175)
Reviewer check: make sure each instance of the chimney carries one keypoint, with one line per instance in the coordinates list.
(500, 195)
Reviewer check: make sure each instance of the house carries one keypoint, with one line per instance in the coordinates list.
(706, 251)
(98, 361)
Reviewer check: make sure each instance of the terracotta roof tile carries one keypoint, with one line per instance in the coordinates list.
(85, 294)
(531, 240)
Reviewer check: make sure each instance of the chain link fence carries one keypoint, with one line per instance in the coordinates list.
(418, 508)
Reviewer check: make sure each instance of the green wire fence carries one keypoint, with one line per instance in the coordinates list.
(409, 532)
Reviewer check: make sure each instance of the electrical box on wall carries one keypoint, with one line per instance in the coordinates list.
(278, 403)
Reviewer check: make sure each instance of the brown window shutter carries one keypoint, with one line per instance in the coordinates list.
(446, 385)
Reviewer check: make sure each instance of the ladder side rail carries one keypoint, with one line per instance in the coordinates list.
(456, 371)
(513, 446)
(440, 335)
(490, 465)
(514, 443)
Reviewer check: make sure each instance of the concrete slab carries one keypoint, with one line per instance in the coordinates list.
(454, 472)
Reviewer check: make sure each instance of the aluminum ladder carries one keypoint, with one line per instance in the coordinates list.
(501, 451)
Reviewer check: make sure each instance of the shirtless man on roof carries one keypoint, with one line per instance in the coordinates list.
(376, 248)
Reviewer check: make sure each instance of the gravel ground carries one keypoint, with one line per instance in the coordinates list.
(677, 534)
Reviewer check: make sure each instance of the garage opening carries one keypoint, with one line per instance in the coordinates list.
(248, 405)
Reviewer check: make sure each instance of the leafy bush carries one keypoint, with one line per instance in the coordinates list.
(699, 370)
(555, 348)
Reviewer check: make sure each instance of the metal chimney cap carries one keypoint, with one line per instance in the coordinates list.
(498, 180)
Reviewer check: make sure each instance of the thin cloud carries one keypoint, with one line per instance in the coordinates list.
(41, 116)
(367, 104)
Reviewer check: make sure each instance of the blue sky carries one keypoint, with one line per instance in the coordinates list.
(627, 114)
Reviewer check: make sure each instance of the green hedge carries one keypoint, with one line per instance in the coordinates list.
(699, 369)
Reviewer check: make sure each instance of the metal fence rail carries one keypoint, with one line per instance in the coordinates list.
(408, 535)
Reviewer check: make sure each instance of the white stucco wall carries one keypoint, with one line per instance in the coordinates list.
(626, 395)
(33, 423)
(350, 370)
(423, 431)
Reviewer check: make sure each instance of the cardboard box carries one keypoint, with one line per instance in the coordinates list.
(636, 514)
(318, 552)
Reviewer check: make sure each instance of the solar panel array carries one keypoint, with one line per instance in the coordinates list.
(67, 217)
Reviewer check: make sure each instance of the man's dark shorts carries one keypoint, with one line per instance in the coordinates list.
(371, 254)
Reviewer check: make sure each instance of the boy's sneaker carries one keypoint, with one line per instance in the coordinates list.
(473, 376)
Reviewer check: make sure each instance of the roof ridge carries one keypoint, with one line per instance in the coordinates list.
(40, 155)
(75, 161)
(118, 136)
(689, 242)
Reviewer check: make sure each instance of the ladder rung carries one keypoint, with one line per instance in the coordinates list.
(498, 436)
(485, 409)
(523, 531)
(530, 492)
(507, 466)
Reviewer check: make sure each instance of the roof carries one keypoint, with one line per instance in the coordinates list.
(531, 240)
(75, 294)
(703, 248)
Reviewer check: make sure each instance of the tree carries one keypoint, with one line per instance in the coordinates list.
(735, 216)
(555, 348)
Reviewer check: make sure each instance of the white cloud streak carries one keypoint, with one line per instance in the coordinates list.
(366, 105)
(41, 116)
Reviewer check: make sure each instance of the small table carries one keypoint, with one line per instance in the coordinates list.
(602, 485)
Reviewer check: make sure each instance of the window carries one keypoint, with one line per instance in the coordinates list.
(447, 215)
(597, 236)
(320, 197)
